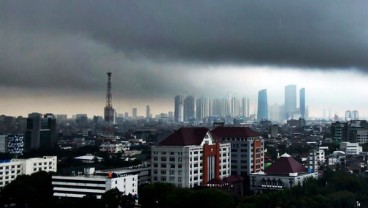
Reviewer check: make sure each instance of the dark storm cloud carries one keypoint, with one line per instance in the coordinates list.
(56, 43)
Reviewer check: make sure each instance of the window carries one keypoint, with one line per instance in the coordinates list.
(163, 158)
(172, 159)
(163, 165)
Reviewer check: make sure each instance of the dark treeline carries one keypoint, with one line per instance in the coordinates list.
(333, 189)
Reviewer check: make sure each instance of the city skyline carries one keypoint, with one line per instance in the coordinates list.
(54, 57)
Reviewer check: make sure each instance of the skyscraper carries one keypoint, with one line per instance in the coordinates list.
(262, 113)
(179, 109)
(290, 101)
(148, 111)
(135, 113)
(245, 107)
(189, 108)
(302, 102)
(202, 108)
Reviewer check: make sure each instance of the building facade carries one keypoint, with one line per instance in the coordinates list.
(262, 113)
(190, 157)
(285, 172)
(290, 101)
(179, 109)
(247, 149)
(89, 183)
(41, 132)
(10, 169)
(302, 102)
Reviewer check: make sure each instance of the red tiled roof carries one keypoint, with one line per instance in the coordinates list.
(185, 136)
(233, 132)
(285, 165)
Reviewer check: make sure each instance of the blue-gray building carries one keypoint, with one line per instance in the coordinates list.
(262, 113)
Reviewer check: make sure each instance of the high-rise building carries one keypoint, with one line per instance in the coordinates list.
(262, 113)
(234, 107)
(290, 101)
(41, 132)
(148, 111)
(245, 107)
(347, 115)
(135, 113)
(179, 109)
(109, 111)
(354, 115)
(276, 112)
(302, 102)
(202, 108)
(189, 108)
(218, 107)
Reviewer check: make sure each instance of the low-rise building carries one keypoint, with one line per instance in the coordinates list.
(285, 172)
(90, 183)
(11, 169)
(351, 148)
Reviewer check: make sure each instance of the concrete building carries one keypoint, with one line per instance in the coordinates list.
(285, 172)
(262, 113)
(189, 108)
(247, 149)
(351, 148)
(190, 157)
(41, 132)
(10, 169)
(302, 102)
(91, 183)
(339, 131)
(360, 136)
(290, 101)
(179, 109)
(143, 172)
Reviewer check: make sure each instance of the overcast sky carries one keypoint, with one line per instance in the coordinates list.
(54, 55)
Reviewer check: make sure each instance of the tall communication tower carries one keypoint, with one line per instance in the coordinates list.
(109, 113)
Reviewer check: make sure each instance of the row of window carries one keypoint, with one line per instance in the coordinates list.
(42, 168)
(8, 167)
(9, 172)
(168, 153)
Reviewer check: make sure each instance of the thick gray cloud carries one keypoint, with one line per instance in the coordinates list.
(307, 33)
(68, 44)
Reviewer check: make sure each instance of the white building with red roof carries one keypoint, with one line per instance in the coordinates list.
(190, 157)
(285, 172)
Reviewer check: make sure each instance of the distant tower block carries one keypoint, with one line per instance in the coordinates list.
(109, 113)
